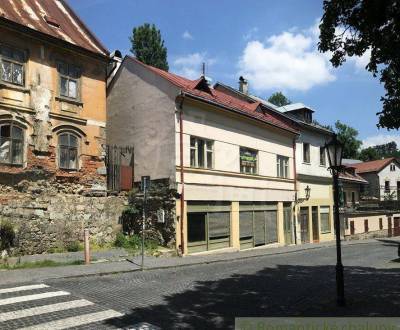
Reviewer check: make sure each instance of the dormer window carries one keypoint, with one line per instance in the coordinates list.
(307, 116)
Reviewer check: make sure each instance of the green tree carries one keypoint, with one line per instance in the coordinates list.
(355, 27)
(368, 154)
(348, 137)
(148, 46)
(279, 99)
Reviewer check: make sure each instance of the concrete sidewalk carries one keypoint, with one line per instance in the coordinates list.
(42, 274)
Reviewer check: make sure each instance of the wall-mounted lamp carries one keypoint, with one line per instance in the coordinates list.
(308, 192)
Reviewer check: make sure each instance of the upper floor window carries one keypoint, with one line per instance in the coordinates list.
(282, 166)
(392, 167)
(68, 151)
(12, 65)
(201, 152)
(69, 80)
(322, 157)
(306, 152)
(248, 161)
(11, 144)
(387, 186)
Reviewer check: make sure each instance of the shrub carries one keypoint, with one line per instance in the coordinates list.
(73, 246)
(7, 235)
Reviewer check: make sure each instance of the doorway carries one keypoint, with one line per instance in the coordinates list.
(396, 226)
(315, 226)
(304, 232)
(352, 229)
(390, 227)
(287, 223)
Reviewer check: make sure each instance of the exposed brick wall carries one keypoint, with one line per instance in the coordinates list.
(44, 166)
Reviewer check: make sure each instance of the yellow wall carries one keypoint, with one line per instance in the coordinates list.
(41, 91)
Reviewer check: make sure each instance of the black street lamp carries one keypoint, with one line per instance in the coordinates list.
(335, 151)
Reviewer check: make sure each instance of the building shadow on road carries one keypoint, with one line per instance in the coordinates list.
(284, 290)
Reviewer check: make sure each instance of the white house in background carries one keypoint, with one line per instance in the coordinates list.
(383, 176)
(314, 212)
(312, 216)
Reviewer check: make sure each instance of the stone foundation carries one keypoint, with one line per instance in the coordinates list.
(50, 214)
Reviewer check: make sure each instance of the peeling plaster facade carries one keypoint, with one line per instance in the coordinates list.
(37, 107)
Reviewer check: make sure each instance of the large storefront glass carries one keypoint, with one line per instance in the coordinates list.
(257, 224)
(209, 226)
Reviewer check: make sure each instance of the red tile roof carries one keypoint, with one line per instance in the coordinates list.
(372, 166)
(220, 98)
(347, 175)
(54, 18)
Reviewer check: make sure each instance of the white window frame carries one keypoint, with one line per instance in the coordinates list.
(69, 78)
(392, 167)
(243, 168)
(13, 61)
(325, 210)
(208, 149)
(306, 161)
(322, 156)
(282, 166)
(12, 140)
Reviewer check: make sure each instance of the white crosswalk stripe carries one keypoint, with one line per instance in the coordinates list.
(44, 309)
(23, 307)
(31, 297)
(24, 288)
(76, 321)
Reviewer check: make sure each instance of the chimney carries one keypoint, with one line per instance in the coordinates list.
(243, 85)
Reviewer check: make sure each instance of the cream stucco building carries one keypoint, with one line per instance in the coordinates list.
(231, 160)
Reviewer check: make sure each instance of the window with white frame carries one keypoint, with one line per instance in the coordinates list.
(201, 152)
(306, 152)
(69, 80)
(68, 151)
(12, 62)
(322, 157)
(282, 166)
(387, 186)
(392, 168)
(248, 160)
(11, 144)
(325, 219)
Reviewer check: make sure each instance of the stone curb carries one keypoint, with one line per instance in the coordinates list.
(204, 262)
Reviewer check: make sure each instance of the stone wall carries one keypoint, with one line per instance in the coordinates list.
(49, 214)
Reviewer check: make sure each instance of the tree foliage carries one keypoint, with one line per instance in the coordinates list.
(380, 151)
(148, 46)
(348, 137)
(279, 99)
(354, 27)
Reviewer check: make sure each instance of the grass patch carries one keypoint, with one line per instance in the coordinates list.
(133, 243)
(40, 264)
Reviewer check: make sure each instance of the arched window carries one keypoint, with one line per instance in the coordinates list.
(11, 144)
(68, 151)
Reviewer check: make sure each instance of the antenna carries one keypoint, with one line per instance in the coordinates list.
(203, 69)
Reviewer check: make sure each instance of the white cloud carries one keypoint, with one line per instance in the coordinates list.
(361, 62)
(190, 65)
(187, 36)
(285, 61)
(381, 139)
(250, 34)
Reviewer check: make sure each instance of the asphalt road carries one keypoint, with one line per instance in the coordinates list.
(210, 296)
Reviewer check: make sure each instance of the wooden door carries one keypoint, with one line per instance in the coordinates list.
(287, 224)
(366, 229)
(396, 226)
(315, 226)
(390, 232)
(305, 237)
(352, 229)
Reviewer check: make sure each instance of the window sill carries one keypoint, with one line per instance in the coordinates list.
(320, 165)
(11, 164)
(17, 88)
(306, 163)
(68, 100)
(325, 232)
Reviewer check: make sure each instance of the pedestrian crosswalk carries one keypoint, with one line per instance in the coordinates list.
(39, 306)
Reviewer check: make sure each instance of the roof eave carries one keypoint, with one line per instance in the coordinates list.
(188, 94)
(49, 38)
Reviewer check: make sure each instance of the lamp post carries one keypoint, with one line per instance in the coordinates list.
(335, 150)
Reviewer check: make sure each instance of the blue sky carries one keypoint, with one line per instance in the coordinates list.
(271, 43)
